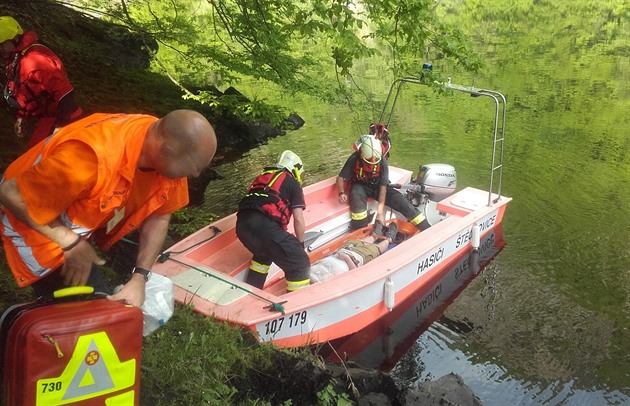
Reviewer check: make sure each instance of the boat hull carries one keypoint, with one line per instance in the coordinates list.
(208, 272)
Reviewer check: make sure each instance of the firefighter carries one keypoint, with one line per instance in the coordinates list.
(263, 218)
(37, 86)
(367, 172)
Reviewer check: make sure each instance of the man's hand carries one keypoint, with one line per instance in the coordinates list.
(132, 293)
(77, 264)
(343, 197)
(18, 128)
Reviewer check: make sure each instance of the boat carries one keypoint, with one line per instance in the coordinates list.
(383, 343)
(208, 268)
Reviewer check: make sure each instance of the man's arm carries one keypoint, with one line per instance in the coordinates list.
(343, 197)
(77, 261)
(152, 236)
(67, 110)
(380, 208)
(298, 223)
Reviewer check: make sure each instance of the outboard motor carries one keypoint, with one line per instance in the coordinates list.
(433, 183)
(437, 180)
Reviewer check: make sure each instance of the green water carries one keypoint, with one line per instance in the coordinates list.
(549, 321)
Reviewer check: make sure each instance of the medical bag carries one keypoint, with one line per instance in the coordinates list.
(71, 350)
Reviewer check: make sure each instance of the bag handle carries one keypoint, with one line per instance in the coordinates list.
(73, 291)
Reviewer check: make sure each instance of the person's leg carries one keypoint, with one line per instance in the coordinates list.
(250, 228)
(288, 253)
(358, 206)
(398, 202)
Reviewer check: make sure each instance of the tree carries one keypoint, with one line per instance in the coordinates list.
(300, 45)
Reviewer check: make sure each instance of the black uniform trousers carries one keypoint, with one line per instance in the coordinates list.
(359, 194)
(268, 242)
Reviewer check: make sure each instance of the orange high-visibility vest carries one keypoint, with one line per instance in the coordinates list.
(117, 140)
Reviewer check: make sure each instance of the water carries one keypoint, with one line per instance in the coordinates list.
(547, 322)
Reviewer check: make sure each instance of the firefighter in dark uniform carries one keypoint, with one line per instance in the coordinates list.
(262, 220)
(368, 173)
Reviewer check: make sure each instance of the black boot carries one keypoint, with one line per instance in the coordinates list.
(392, 230)
(378, 228)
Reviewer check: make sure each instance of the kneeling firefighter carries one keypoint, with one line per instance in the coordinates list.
(263, 218)
(367, 171)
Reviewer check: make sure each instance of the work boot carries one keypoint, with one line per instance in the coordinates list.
(378, 228)
(391, 232)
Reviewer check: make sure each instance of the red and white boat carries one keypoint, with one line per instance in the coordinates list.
(208, 268)
(383, 343)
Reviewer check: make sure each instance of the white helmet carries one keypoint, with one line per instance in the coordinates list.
(292, 163)
(370, 149)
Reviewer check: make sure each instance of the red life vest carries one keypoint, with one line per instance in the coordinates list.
(366, 173)
(266, 189)
(381, 132)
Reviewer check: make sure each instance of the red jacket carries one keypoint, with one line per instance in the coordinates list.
(37, 81)
(36, 78)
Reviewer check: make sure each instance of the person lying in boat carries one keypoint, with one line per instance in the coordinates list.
(353, 254)
(367, 171)
(262, 220)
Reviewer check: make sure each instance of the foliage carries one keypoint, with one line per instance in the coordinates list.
(190, 219)
(309, 47)
(203, 358)
(328, 397)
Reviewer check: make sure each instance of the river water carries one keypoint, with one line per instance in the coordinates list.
(547, 320)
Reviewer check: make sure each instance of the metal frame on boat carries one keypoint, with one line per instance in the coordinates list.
(208, 268)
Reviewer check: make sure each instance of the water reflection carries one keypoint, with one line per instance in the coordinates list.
(434, 355)
(382, 344)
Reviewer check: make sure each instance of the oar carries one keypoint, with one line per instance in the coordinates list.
(165, 255)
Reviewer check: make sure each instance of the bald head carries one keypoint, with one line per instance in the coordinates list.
(185, 143)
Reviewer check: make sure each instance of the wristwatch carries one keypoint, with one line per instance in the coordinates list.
(142, 271)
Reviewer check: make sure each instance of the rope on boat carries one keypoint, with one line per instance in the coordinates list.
(273, 306)
(165, 256)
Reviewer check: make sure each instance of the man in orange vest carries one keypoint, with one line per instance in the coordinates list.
(36, 83)
(96, 180)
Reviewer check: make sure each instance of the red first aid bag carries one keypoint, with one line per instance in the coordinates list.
(71, 351)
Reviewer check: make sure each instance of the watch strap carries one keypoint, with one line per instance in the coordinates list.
(142, 271)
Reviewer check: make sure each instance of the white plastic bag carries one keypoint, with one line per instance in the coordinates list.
(159, 303)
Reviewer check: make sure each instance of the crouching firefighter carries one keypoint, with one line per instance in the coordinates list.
(263, 218)
(368, 174)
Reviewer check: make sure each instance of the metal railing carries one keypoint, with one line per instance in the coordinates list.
(496, 167)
